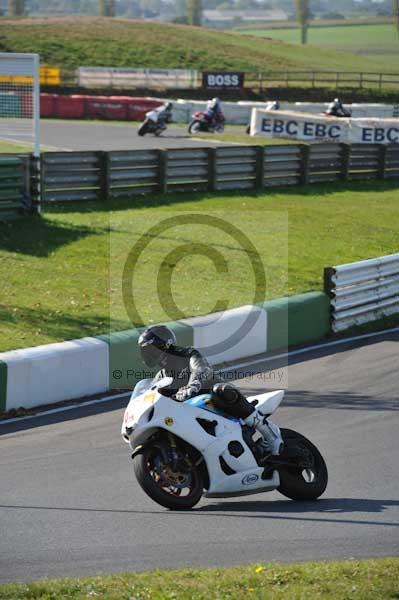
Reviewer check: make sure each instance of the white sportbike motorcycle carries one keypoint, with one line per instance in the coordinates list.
(183, 450)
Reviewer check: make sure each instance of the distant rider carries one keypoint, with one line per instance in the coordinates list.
(272, 105)
(214, 111)
(336, 109)
(165, 112)
(192, 375)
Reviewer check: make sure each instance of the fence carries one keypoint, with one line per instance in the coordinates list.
(362, 291)
(14, 186)
(107, 175)
(168, 78)
(322, 79)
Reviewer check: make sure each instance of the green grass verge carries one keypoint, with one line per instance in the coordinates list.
(239, 137)
(373, 41)
(349, 580)
(62, 272)
(93, 41)
(14, 147)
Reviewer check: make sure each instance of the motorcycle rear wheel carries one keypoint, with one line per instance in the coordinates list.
(163, 485)
(302, 483)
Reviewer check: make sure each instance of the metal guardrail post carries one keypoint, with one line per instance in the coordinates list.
(32, 186)
(346, 152)
(104, 175)
(260, 168)
(327, 280)
(163, 171)
(305, 153)
(382, 160)
(212, 169)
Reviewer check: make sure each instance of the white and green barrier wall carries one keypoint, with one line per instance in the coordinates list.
(81, 368)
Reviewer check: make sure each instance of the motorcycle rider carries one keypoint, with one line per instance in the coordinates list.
(192, 374)
(214, 111)
(272, 105)
(165, 112)
(336, 109)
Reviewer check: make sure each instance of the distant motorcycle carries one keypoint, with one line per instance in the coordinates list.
(155, 122)
(345, 113)
(201, 121)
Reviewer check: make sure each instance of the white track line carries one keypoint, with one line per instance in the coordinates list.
(230, 368)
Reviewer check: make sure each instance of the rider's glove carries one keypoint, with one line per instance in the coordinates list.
(185, 392)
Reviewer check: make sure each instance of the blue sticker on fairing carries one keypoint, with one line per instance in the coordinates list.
(204, 401)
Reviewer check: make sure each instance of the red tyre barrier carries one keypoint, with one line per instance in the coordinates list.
(47, 104)
(79, 106)
(70, 107)
(104, 107)
(26, 104)
(137, 107)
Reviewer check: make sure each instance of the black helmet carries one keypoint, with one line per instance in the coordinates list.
(154, 343)
(169, 106)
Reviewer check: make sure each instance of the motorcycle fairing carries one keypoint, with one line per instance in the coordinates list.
(204, 401)
(267, 403)
(152, 412)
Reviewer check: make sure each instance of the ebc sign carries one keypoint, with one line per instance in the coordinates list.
(222, 81)
(301, 129)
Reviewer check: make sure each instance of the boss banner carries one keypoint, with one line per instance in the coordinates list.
(307, 127)
(222, 80)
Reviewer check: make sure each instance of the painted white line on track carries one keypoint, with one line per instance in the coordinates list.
(225, 369)
(65, 408)
(315, 347)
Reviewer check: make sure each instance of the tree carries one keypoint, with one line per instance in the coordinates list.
(106, 8)
(395, 12)
(303, 16)
(16, 8)
(194, 12)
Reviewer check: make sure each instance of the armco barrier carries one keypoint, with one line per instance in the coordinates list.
(14, 186)
(363, 291)
(128, 173)
(69, 370)
(66, 176)
(3, 386)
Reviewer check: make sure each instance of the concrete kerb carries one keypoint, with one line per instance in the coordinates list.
(297, 319)
(69, 370)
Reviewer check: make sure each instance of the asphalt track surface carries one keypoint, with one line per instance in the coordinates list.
(69, 504)
(83, 135)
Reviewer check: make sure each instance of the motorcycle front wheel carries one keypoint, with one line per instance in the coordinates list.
(143, 129)
(176, 489)
(308, 477)
(195, 126)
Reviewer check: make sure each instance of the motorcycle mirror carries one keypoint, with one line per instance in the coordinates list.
(163, 383)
